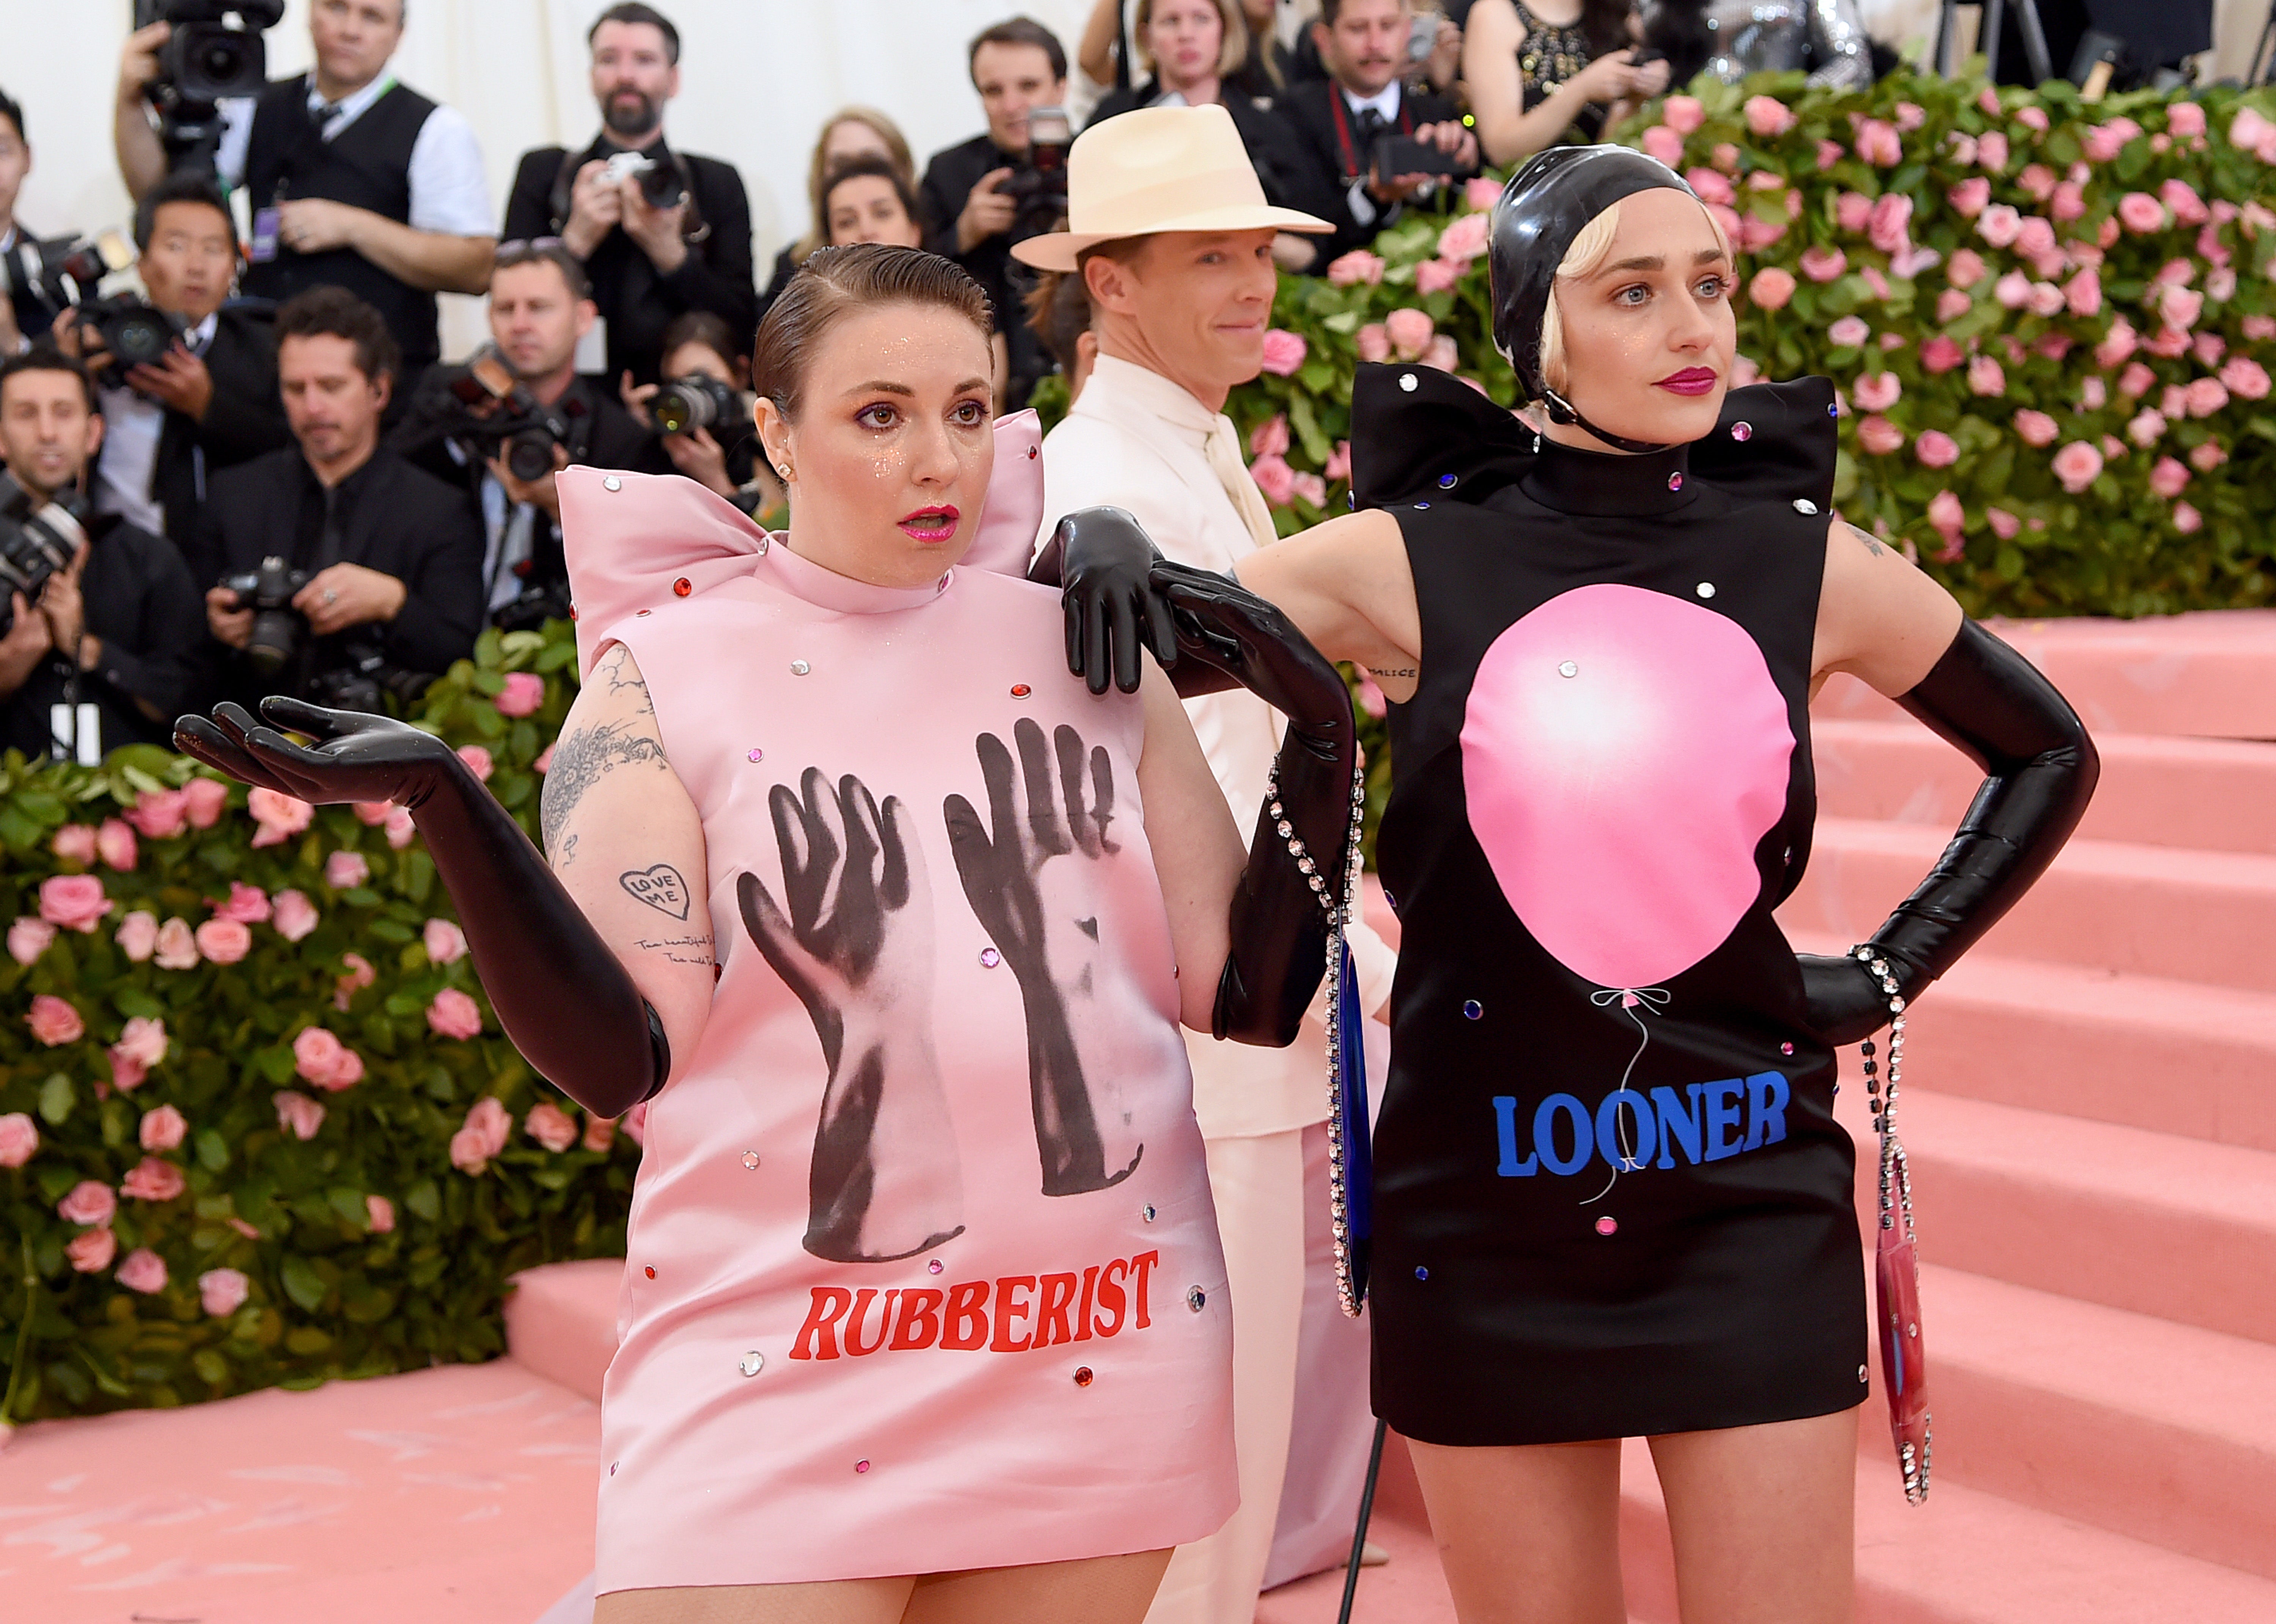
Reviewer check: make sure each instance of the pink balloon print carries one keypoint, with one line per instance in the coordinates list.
(1623, 752)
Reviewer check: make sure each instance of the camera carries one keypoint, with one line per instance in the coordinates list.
(135, 332)
(365, 681)
(498, 415)
(1041, 183)
(660, 183)
(215, 52)
(277, 626)
(62, 271)
(36, 539)
(684, 404)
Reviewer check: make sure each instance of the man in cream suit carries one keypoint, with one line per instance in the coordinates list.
(1173, 240)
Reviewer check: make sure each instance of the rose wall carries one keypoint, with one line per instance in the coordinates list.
(256, 1123)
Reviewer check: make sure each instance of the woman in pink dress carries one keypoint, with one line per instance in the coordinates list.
(924, 1317)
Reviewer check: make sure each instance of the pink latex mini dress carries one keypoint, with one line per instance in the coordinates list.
(924, 1273)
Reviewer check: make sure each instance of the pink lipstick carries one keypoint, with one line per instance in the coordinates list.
(932, 525)
(1690, 381)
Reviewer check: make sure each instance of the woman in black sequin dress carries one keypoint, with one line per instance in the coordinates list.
(1536, 82)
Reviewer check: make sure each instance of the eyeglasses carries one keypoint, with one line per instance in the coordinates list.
(521, 250)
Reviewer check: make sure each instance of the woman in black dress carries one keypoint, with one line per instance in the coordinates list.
(1611, 1199)
(1536, 82)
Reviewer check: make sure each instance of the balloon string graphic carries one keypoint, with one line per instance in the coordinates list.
(1635, 1002)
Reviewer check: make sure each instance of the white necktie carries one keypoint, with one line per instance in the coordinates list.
(1232, 470)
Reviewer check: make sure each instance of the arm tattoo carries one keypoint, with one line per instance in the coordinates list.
(1872, 542)
(1375, 670)
(584, 754)
(680, 949)
(660, 887)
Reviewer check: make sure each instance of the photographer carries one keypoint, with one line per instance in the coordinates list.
(110, 647)
(379, 577)
(699, 357)
(981, 196)
(649, 260)
(24, 314)
(540, 307)
(209, 403)
(1362, 116)
(356, 181)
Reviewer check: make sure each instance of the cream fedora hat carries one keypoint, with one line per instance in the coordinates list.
(1159, 168)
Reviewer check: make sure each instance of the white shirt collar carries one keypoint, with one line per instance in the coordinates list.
(196, 340)
(1121, 391)
(1385, 103)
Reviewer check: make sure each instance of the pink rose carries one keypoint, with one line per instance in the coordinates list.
(223, 941)
(379, 1215)
(1273, 476)
(488, 1119)
(1849, 332)
(1770, 288)
(1683, 113)
(2035, 239)
(74, 843)
(2103, 143)
(1823, 264)
(2168, 478)
(177, 948)
(89, 1203)
(1985, 377)
(54, 1021)
(161, 813)
(2032, 118)
(1284, 351)
(1887, 225)
(2076, 465)
(280, 816)
(2169, 341)
(1712, 185)
(2037, 429)
(1829, 154)
(2038, 180)
(1877, 391)
(320, 1058)
(1767, 115)
(2113, 448)
(2207, 457)
(2093, 395)
(2069, 202)
(1936, 449)
(1879, 143)
(2117, 344)
(2245, 378)
(455, 1014)
(1357, 268)
(478, 761)
(143, 1040)
(523, 694)
(1481, 192)
(1910, 116)
(467, 1153)
(1465, 239)
(360, 974)
(2175, 402)
(19, 1139)
(1766, 180)
(2082, 294)
(1945, 513)
(28, 939)
(221, 1291)
(152, 1180)
(2000, 225)
(345, 870)
(544, 761)
(1727, 221)
(2181, 199)
(1940, 354)
(1410, 331)
(2181, 307)
(2220, 283)
(2145, 427)
(600, 1134)
(205, 799)
(114, 843)
(162, 1129)
(299, 1115)
(295, 916)
(2004, 524)
(1853, 211)
(248, 905)
(2184, 120)
(1373, 343)
(1962, 145)
(2013, 290)
(1338, 461)
(551, 1127)
(2136, 381)
(1435, 276)
(1991, 151)
(1270, 438)
(1662, 143)
(2141, 214)
(74, 901)
(138, 935)
(1441, 355)
(144, 1271)
(2045, 299)
(634, 1123)
(1965, 269)
(2186, 520)
(371, 813)
(1951, 304)
(1756, 234)
(1879, 436)
(400, 830)
(2206, 396)
(91, 1253)
(1968, 197)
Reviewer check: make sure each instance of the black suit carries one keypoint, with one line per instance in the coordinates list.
(1336, 152)
(941, 196)
(636, 300)
(388, 517)
(244, 419)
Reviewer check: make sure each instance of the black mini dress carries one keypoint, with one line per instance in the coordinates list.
(1611, 1198)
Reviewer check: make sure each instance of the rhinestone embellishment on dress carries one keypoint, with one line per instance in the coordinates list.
(751, 1160)
(1803, 504)
(1406, 382)
(752, 1362)
(1742, 432)
(1705, 589)
(799, 668)
(1568, 669)
(1608, 1226)
(612, 483)
(1197, 1299)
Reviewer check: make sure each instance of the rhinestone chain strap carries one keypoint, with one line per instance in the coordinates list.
(1339, 908)
(1896, 1178)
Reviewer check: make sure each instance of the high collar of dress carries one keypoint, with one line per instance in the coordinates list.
(1601, 484)
(826, 588)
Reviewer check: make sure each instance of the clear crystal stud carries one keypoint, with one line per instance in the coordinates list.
(1705, 589)
(1803, 504)
(799, 668)
(612, 483)
(752, 1362)
(1568, 669)
(1406, 382)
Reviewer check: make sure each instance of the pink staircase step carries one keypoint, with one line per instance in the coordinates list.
(1971, 1557)
(2157, 1431)
(2188, 915)
(2151, 1223)
(2214, 794)
(561, 1321)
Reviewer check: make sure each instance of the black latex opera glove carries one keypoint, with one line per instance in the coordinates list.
(560, 993)
(1103, 563)
(2041, 769)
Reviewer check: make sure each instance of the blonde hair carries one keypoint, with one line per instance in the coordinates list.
(1232, 51)
(1591, 247)
(897, 146)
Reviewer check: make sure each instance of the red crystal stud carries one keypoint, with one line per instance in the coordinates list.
(682, 586)
(1020, 690)
(1605, 1226)
(1082, 1377)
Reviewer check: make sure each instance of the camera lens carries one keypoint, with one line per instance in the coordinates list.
(138, 339)
(679, 409)
(529, 455)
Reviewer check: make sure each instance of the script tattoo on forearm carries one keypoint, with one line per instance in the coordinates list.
(680, 949)
(1872, 542)
(659, 886)
(584, 754)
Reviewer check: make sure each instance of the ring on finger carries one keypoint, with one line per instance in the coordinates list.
(330, 597)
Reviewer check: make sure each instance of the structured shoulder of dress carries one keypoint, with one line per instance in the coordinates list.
(1418, 433)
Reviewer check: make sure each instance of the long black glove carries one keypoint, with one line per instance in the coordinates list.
(563, 997)
(1119, 590)
(2041, 769)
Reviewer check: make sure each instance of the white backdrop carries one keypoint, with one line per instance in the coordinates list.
(758, 78)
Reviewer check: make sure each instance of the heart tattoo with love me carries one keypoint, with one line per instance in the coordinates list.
(660, 887)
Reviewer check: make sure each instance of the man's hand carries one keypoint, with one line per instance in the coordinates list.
(698, 456)
(660, 233)
(317, 225)
(1450, 137)
(347, 594)
(180, 381)
(62, 607)
(138, 61)
(540, 493)
(987, 212)
(72, 338)
(25, 646)
(225, 620)
(636, 397)
(596, 206)
(1444, 61)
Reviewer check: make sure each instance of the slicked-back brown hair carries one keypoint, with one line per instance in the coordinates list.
(835, 282)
